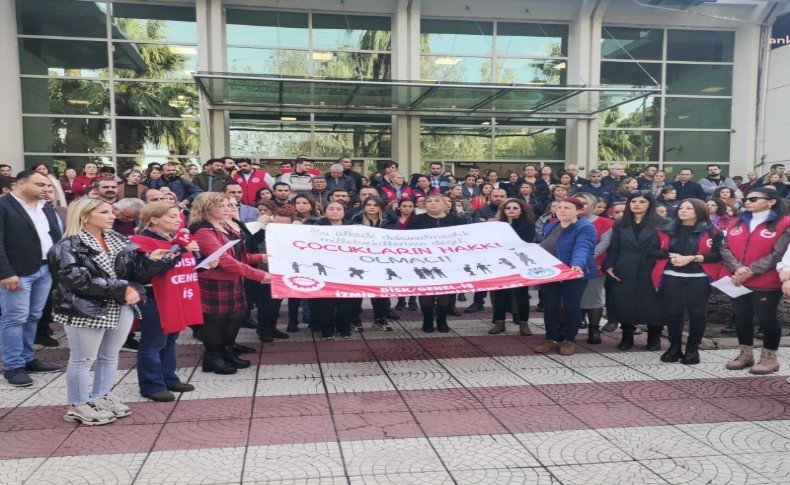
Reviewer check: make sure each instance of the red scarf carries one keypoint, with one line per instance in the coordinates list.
(176, 292)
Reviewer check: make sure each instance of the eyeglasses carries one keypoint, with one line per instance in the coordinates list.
(755, 199)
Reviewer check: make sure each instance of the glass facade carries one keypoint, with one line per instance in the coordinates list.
(107, 81)
(691, 123)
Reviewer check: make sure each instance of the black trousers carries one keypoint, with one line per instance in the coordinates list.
(332, 314)
(680, 295)
(764, 305)
(502, 303)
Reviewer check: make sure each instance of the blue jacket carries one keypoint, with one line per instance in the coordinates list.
(575, 245)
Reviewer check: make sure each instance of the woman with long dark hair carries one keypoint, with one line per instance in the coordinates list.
(687, 261)
(629, 263)
(753, 247)
(80, 184)
(521, 218)
(403, 216)
(717, 212)
(481, 199)
(306, 208)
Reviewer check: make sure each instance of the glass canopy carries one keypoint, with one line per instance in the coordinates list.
(294, 94)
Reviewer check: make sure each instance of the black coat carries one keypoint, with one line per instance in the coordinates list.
(424, 221)
(20, 246)
(80, 288)
(635, 299)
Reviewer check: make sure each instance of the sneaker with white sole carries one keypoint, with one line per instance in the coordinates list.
(113, 405)
(89, 414)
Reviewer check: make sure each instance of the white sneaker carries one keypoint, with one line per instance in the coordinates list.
(113, 405)
(89, 414)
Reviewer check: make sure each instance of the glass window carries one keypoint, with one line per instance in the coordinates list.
(531, 71)
(262, 27)
(456, 37)
(141, 163)
(700, 46)
(456, 69)
(62, 19)
(695, 113)
(65, 96)
(160, 100)
(628, 145)
(699, 79)
(630, 73)
(350, 65)
(641, 113)
(698, 170)
(628, 43)
(697, 146)
(135, 21)
(522, 40)
(272, 61)
(59, 163)
(270, 140)
(72, 58)
(460, 143)
(529, 143)
(351, 32)
(157, 137)
(66, 135)
(154, 61)
(359, 141)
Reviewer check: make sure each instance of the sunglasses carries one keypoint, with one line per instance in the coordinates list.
(755, 199)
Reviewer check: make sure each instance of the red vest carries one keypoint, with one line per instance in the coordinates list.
(749, 247)
(713, 270)
(390, 194)
(602, 224)
(251, 186)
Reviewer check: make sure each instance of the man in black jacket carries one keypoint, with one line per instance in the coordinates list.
(28, 229)
(687, 188)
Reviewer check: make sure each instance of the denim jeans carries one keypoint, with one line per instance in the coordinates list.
(156, 357)
(21, 312)
(89, 345)
(764, 305)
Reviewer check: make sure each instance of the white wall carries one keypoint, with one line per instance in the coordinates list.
(776, 143)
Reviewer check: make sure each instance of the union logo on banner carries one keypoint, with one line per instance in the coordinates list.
(363, 262)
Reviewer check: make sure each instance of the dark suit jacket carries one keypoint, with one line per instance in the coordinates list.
(20, 247)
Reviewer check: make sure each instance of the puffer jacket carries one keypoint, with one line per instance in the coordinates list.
(80, 288)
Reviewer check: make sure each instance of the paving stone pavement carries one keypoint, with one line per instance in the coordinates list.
(405, 407)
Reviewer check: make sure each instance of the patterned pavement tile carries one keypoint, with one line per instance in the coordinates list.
(738, 437)
(667, 372)
(279, 406)
(533, 419)
(458, 422)
(38, 417)
(11, 397)
(571, 448)
(347, 356)
(367, 402)
(372, 426)
(268, 357)
(645, 391)
(773, 466)
(482, 452)
(579, 394)
(656, 442)
(606, 474)
(117, 469)
(148, 412)
(620, 373)
(714, 388)
(511, 396)
(16, 472)
(128, 393)
(205, 409)
(478, 364)
(499, 476)
(289, 387)
(351, 369)
(487, 378)
(635, 358)
(683, 411)
(780, 427)
(613, 414)
(428, 380)
(422, 366)
(362, 383)
(521, 362)
(402, 353)
(585, 360)
(190, 435)
(250, 373)
(552, 375)
(289, 371)
(270, 464)
(32, 443)
(204, 467)
(287, 346)
(430, 478)
(440, 399)
(90, 440)
(704, 470)
(222, 387)
(388, 457)
(291, 429)
(770, 386)
(755, 408)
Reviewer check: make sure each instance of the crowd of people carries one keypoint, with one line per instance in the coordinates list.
(109, 256)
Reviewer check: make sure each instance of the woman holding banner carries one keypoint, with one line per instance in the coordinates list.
(222, 288)
(572, 241)
(436, 215)
(173, 302)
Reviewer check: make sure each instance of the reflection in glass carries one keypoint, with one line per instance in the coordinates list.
(628, 43)
(700, 45)
(630, 73)
(645, 112)
(351, 32)
(357, 140)
(703, 113)
(697, 146)
(59, 163)
(159, 100)
(529, 144)
(522, 40)
(125, 163)
(350, 65)
(267, 28)
(456, 69)
(269, 61)
(456, 37)
(531, 71)
(72, 58)
(159, 61)
(699, 79)
(61, 19)
(157, 137)
(269, 140)
(459, 143)
(143, 22)
(698, 170)
(66, 135)
(65, 96)
(628, 145)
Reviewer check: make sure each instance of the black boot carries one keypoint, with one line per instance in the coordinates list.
(691, 356)
(451, 310)
(441, 319)
(594, 332)
(627, 340)
(264, 332)
(594, 335)
(653, 338)
(213, 362)
(231, 358)
(674, 352)
(427, 319)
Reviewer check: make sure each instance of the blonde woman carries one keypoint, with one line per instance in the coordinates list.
(96, 275)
